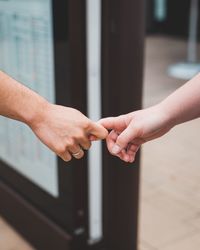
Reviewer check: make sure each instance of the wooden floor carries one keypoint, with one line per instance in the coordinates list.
(10, 239)
(170, 179)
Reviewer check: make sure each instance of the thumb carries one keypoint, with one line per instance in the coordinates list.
(97, 131)
(124, 139)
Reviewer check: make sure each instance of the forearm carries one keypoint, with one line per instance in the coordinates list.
(184, 104)
(19, 102)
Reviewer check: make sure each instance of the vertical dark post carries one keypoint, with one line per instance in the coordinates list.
(122, 70)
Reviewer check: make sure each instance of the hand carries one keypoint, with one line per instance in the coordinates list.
(66, 131)
(130, 131)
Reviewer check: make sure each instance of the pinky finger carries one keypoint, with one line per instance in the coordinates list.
(124, 156)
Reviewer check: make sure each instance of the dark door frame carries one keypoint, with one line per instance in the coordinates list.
(122, 74)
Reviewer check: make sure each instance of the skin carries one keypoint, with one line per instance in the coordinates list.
(128, 132)
(64, 130)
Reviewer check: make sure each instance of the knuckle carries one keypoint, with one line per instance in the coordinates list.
(71, 143)
(87, 146)
(80, 135)
(61, 149)
(86, 124)
(110, 150)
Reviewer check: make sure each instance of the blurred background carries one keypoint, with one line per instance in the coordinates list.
(170, 197)
(170, 171)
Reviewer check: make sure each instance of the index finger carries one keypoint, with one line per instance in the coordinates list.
(117, 123)
(108, 123)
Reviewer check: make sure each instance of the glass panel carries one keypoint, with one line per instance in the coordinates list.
(26, 53)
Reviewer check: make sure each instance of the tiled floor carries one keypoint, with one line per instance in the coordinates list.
(170, 179)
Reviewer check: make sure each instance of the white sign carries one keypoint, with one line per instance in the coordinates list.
(26, 53)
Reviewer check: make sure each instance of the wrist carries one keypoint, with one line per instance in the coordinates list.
(36, 111)
(167, 111)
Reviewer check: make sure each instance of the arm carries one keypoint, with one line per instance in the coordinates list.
(64, 130)
(130, 131)
(184, 104)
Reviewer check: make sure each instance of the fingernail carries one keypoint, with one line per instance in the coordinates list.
(116, 149)
(126, 158)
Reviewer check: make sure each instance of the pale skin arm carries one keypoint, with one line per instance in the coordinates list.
(130, 131)
(64, 130)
